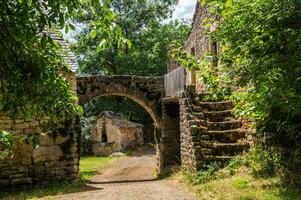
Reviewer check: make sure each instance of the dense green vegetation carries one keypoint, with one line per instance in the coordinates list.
(141, 23)
(31, 63)
(31, 83)
(259, 68)
(249, 177)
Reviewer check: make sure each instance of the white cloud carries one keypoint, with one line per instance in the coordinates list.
(184, 9)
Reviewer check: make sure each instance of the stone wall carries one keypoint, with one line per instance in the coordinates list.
(170, 134)
(112, 134)
(190, 142)
(55, 159)
(146, 91)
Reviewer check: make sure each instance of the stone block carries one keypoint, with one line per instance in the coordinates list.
(19, 181)
(61, 139)
(4, 182)
(46, 140)
(50, 153)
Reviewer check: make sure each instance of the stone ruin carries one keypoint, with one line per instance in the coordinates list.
(111, 133)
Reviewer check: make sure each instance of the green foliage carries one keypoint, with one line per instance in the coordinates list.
(6, 144)
(8, 139)
(140, 22)
(31, 81)
(86, 137)
(264, 162)
(31, 61)
(217, 82)
(205, 175)
(261, 43)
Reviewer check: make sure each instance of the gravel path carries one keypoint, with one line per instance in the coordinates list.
(132, 178)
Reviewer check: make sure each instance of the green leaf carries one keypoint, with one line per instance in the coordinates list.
(93, 34)
(129, 43)
(101, 45)
(44, 41)
(61, 19)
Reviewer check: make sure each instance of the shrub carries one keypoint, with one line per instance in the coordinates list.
(207, 175)
(86, 136)
(264, 162)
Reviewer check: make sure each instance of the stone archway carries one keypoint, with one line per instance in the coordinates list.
(146, 91)
(149, 93)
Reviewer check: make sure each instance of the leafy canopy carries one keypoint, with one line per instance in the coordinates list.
(141, 23)
(30, 60)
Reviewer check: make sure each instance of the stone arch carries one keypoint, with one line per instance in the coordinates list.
(146, 91)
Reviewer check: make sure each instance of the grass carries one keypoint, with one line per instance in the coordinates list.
(242, 186)
(89, 166)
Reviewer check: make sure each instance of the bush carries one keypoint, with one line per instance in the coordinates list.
(264, 162)
(86, 136)
(207, 175)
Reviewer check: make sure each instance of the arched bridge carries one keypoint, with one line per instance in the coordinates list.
(146, 91)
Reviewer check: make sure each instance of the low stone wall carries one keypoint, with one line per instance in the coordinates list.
(55, 159)
(103, 148)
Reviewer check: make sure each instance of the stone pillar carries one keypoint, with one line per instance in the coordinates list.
(190, 135)
(170, 136)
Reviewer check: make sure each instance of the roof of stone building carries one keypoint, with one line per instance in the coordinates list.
(118, 120)
(194, 17)
(67, 54)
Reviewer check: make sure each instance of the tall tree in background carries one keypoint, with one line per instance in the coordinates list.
(140, 23)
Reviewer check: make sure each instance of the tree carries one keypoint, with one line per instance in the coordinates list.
(140, 22)
(31, 83)
(30, 60)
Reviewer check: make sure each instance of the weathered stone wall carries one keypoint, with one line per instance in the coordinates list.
(170, 134)
(119, 135)
(55, 159)
(146, 91)
(190, 142)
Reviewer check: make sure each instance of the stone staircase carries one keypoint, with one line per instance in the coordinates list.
(221, 136)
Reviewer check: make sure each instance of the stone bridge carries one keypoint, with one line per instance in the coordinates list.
(146, 91)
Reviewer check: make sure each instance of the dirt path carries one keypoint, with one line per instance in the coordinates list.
(132, 178)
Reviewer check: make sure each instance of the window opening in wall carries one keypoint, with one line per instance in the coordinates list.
(104, 137)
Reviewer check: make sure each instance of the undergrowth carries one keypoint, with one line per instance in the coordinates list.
(257, 175)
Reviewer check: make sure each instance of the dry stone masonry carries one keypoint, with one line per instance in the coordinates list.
(112, 134)
(146, 91)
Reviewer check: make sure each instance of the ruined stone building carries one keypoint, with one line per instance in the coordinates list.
(112, 134)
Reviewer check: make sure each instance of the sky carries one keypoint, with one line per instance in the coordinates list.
(184, 9)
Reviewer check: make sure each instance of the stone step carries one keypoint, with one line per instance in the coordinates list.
(219, 159)
(229, 149)
(227, 136)
(216, 116)
(226, 149)
(215, 106)
(222, 126)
